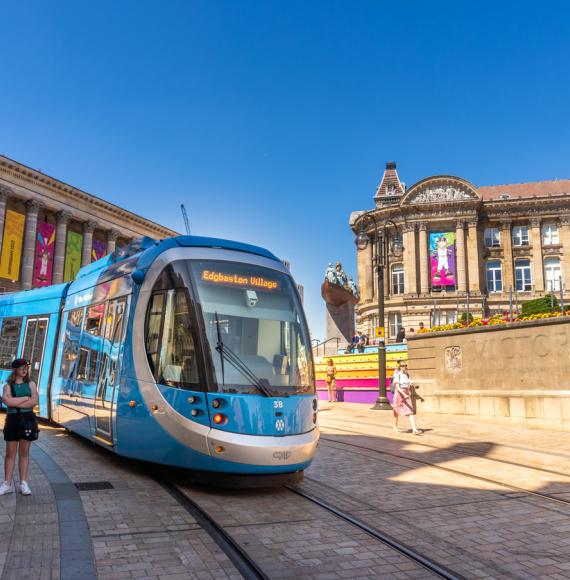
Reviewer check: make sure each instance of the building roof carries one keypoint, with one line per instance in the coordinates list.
(519, 190)
(122, 216)
(390, 186)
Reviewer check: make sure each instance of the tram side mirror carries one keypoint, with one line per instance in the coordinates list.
(251, 298)
(138, 276)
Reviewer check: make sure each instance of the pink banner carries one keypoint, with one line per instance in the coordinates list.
(98, 251)
(45, 248)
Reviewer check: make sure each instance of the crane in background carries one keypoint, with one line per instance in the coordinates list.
(185, 216)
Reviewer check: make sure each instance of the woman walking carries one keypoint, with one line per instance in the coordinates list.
(20, 394)
(331, 380)
(403, 404)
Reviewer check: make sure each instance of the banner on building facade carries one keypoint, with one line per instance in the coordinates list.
(45, 250)
(12, 245)
(72, 255)
(442, 258)
(98, 251)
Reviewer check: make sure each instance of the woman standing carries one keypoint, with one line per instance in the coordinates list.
(331, 380)
(20, 395)
(403, 404)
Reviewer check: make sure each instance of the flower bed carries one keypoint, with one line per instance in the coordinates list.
(498, 319)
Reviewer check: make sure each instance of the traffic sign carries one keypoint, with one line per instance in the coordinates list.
(379, 332)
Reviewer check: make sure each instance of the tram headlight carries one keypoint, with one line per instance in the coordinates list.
(216, 403)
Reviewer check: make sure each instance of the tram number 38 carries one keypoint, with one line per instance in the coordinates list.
(278, 404)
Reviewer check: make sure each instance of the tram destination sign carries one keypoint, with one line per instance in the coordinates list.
(239, 280)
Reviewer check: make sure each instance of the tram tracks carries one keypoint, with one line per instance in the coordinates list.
(512, 487)
(460, 452)
(247, 567)
(250, 569)
(382, 537)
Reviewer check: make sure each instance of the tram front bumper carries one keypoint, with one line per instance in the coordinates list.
(263, 450)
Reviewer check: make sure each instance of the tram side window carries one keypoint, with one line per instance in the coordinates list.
(81, 373)
(9, 340)
(71, 343)
(169, 340)
(90, 338)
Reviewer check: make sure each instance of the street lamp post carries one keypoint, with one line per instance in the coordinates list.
(379, 263)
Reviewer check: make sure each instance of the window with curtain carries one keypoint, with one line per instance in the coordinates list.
(552, 274)
(520, 236)
(394, 324)
(492, 238)
(550, 234)
(398, 279)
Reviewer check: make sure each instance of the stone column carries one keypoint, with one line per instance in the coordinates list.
(88, 229)
(29, 252)
(507, 244)
(473, 257)
(112, 236)
(564, 225)
(410, 260)
(5, 193)
(460, 256)
(424, 261)
(537, 265)
(365, 279)
(62, 219)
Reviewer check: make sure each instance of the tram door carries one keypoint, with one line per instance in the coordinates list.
(34, 343)
(109, 367)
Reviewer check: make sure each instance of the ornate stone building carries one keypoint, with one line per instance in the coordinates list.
(465, 248)
(32, 203)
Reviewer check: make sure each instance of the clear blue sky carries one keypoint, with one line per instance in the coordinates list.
(272, 120)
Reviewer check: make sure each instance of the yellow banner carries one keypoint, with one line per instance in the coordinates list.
(12, 245)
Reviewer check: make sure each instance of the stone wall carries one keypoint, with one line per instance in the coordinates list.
(518, 373)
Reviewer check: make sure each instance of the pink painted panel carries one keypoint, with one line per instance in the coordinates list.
(45, 249)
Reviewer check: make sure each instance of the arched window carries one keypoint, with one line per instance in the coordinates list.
(398, 279)
(523, 278)
(494, 276)
(552, 274)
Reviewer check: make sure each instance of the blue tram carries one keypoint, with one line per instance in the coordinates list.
(190, 352)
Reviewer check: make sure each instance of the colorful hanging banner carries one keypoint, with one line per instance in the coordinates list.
(72, 256)
(98, 251)
(442, 258)
(45, 250)
(12, 245)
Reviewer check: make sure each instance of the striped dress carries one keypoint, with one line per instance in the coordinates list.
(402, 404)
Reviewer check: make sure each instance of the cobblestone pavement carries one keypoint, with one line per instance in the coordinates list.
(420, 490)
(477, 527)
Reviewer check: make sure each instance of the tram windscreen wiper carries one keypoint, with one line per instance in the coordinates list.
(227, 353)
(220, 347)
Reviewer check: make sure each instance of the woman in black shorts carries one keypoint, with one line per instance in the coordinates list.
(20, 395)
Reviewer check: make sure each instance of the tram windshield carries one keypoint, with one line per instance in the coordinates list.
(254, 325)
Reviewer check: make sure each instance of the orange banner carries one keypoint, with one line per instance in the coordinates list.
(12, 245)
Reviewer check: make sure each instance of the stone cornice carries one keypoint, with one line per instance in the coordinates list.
(15, 172)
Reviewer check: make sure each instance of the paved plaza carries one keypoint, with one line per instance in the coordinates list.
(480, 500)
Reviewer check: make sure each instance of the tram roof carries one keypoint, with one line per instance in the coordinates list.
(45, 293)
(144, 251)
(138, 254)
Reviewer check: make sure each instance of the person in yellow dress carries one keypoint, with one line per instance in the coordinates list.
(331, 380)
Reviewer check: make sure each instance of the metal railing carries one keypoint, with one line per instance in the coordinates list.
(324, 343)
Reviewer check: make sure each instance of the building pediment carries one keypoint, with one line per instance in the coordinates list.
(440, 190)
